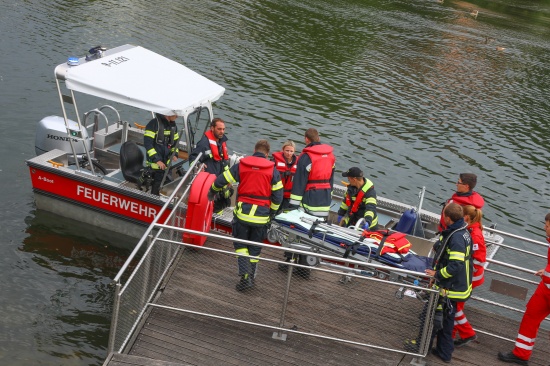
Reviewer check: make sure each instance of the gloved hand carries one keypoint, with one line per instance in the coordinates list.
(366, 225)
(211, 194)
(340, 217)
(272, 214)
(228, 192)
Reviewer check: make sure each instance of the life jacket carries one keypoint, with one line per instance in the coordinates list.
(255, 175)
(473, 198)
(214, 151)
(287, 172)
(322, 162)
(161, 138)
(359, 197)
(396, 243)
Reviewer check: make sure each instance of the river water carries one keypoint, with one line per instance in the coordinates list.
(414, 92)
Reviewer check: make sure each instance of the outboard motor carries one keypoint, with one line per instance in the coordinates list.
(51, 133)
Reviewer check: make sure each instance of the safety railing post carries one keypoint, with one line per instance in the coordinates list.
(114, 320)
(279, 334)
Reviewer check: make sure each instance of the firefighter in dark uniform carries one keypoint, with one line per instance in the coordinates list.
(359, 201)
(314, 178)
(453, 277)
(259, 194)
(161, 144)
(213, 145)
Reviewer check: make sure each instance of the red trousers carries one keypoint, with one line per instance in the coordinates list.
(537, 309)
(462, 326)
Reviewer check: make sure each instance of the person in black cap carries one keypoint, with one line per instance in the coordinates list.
(359, 201)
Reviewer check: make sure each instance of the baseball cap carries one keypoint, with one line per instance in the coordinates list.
(354, 172)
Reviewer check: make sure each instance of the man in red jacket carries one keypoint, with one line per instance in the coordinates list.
(538, 308)
(464, 195)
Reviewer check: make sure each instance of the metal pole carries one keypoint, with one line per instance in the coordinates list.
(279, 333)
(114, 319)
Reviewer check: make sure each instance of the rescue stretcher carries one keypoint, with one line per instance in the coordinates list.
(299, 230)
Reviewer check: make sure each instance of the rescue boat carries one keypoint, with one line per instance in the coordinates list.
(88, 166)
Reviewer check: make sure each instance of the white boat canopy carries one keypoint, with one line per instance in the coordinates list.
(135, 76)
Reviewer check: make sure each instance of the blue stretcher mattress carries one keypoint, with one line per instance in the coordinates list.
(410, 261)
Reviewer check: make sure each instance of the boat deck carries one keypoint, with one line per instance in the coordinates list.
(170, 338)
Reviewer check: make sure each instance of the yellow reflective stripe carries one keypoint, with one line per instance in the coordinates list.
(319, 208)
(153, 165)
(343, 206)
(277, 186)
(151, 152)
(229, 177)
(214, 188)
(460, 295)
(242, 251)
(149, 133)
(444, 273)
(251, 219)
(370, 200)
(253, 210)
(295, 198)
(255, 259)
(274, 206)
(457, 256)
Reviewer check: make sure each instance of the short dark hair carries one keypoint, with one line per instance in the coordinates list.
(454, 212)
(215, 121)
(547, 217)
(262, 146)
(469, 178)
(312, 135)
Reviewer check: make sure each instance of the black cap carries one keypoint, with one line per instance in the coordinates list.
(353, 172)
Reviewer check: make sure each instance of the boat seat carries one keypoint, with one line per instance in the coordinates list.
(131, 161)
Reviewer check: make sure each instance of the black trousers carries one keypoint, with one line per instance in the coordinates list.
(252, 233)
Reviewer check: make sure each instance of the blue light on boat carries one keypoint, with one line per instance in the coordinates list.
(72, 61)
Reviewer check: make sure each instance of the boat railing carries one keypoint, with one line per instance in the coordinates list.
(509, 279)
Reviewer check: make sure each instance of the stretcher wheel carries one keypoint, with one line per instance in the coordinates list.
(199, 209)
(381, 275)
(312, 261)
(272, 236)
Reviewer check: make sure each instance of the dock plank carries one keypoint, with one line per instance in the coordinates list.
(360, 310)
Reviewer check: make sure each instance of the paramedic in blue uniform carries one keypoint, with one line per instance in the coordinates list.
(213, 145)
(359, 201)
(259, 194)
(453, 276)
(161, 144)
(314, 177)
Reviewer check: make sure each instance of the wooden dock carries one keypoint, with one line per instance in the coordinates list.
(364, 311)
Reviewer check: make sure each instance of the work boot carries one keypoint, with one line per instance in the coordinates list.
(245, 283)
(462, 342)
(436, 354)
(511, 358)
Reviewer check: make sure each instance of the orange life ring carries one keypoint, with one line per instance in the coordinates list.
(199, 209)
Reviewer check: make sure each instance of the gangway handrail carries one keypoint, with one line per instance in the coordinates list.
(154, 223)
(500, 263)
(490, 229)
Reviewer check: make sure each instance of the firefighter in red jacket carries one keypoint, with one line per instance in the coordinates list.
(285, 162)
(472, 216)
(538, 308)
(464, 195)
(314, 178)
(213, 145)
(259, 194)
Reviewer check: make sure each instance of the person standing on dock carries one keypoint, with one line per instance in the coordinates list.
(285, 162)
(314, 179)
(213, 145)
(161, 144)
(472, 217)
(359, 201)
(538, 308)
(259, 195)
(464, 195)
(453, 277)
